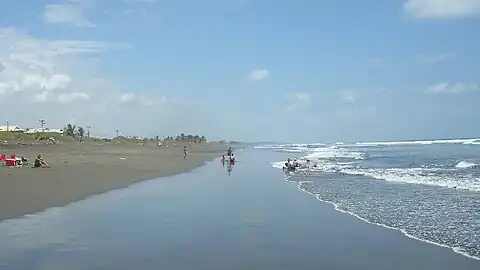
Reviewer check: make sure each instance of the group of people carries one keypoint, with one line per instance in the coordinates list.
(230, 156)
(293, 165)
(23, 161)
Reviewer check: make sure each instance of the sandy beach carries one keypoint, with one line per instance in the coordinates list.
(79, 170)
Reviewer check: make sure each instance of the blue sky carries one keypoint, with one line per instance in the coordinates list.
(245, 69)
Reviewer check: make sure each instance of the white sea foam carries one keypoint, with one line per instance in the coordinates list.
(278, 164)
(292, 145)
(451, 177)
(419, 176)
(424, 176)
(471, 141)
(404, 232)
(334, 152)
(474, 142)
(421, 142)
(465, 165)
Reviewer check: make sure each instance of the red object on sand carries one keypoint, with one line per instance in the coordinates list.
(3, 157)
(13, 156)
(10, 162)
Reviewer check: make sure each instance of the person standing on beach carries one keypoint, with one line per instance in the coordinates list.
(185, 153)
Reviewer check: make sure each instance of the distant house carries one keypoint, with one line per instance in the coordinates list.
(11, 129)
(33, 130)
(39, 130)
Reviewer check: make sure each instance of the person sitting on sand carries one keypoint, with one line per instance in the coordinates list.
(39, 162)
(24, 161)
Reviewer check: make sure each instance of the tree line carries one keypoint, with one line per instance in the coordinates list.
(189, 137)
(79, 133)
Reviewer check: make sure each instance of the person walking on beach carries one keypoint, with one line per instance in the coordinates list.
(185, 153)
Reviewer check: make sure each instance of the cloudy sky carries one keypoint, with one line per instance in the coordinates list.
(285, 70)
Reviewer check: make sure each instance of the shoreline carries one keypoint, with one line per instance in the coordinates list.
(79, 171)
(455, 250)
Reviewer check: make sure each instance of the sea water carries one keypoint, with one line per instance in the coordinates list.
(429, 190)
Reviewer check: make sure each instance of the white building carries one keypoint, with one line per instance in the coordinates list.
(39, 130)
(11, 129)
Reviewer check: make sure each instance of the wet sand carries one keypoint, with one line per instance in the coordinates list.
(81, 170)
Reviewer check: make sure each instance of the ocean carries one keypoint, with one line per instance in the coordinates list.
(428, 190)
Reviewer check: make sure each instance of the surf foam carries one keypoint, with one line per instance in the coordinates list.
(324, 155)
(417, 176)
(457, 250)
(420, 142)
(465, 165)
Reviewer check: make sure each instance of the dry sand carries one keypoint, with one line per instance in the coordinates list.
(81, 170)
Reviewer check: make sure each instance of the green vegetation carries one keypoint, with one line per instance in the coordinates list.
(24, 137)
(190, 138)
(72, 132)
(77, 133)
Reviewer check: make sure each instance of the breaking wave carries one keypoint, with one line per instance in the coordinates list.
(426, 189)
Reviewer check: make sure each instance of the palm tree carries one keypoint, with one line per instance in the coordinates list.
(69, 130)
(80, 133)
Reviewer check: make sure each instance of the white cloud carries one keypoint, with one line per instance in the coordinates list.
(41, 97)
(142, 100)
(259, 74)
(442, 9)
(446, 88)
(348, 96)
(3, 89)
(70, 12)
(438, 58)
(54, 82)
(70, 97)
(37, 65)
(59, 81)
(127, 97)
(299, 100)
(41, 76)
